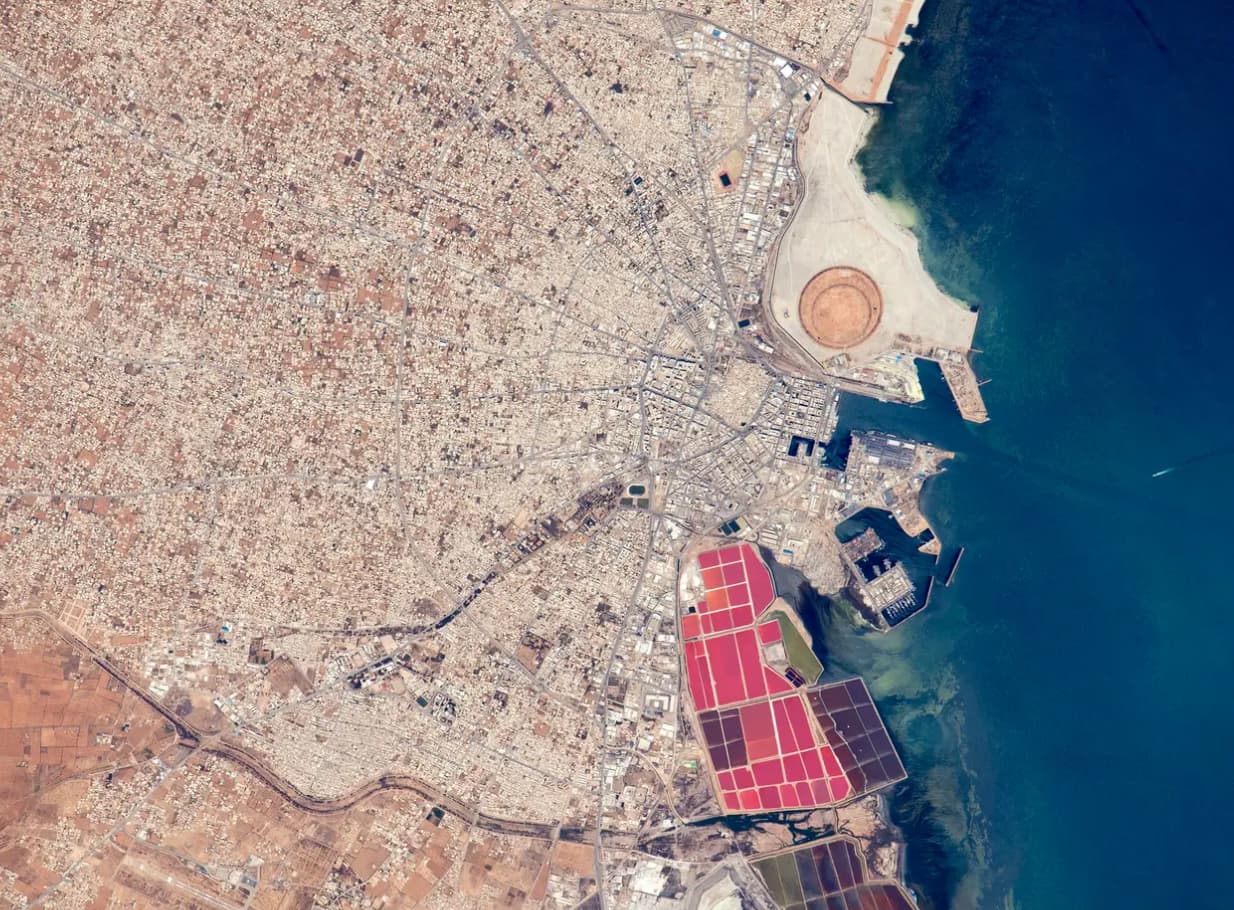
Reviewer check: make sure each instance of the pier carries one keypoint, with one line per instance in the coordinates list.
(964, 387)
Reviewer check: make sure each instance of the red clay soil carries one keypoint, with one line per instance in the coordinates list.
(840, 307)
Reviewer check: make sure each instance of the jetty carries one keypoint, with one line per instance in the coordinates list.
(955, 564)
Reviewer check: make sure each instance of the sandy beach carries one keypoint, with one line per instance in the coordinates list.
(878, 52)
(838, 224)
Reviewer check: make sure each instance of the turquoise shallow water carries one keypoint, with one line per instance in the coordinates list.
(1065, 707)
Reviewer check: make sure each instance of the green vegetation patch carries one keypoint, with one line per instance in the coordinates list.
(800, 654)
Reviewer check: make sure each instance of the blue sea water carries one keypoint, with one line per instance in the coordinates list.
(1065, 708)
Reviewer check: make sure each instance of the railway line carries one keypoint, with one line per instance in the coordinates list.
(200, 741)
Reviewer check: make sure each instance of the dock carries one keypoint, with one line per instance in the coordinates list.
(957, 373)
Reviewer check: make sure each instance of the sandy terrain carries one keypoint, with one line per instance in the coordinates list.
(877, 53)
(839, 224)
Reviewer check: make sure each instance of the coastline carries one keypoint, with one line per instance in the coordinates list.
(834, 220)
(933, 815)
(835, 223)
(893, 209)
(868, 86)
(879, 51)
(1020, 181)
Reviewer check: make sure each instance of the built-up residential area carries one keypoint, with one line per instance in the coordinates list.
(388, 394)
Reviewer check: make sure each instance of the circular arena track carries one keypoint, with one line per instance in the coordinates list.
(840, 307)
